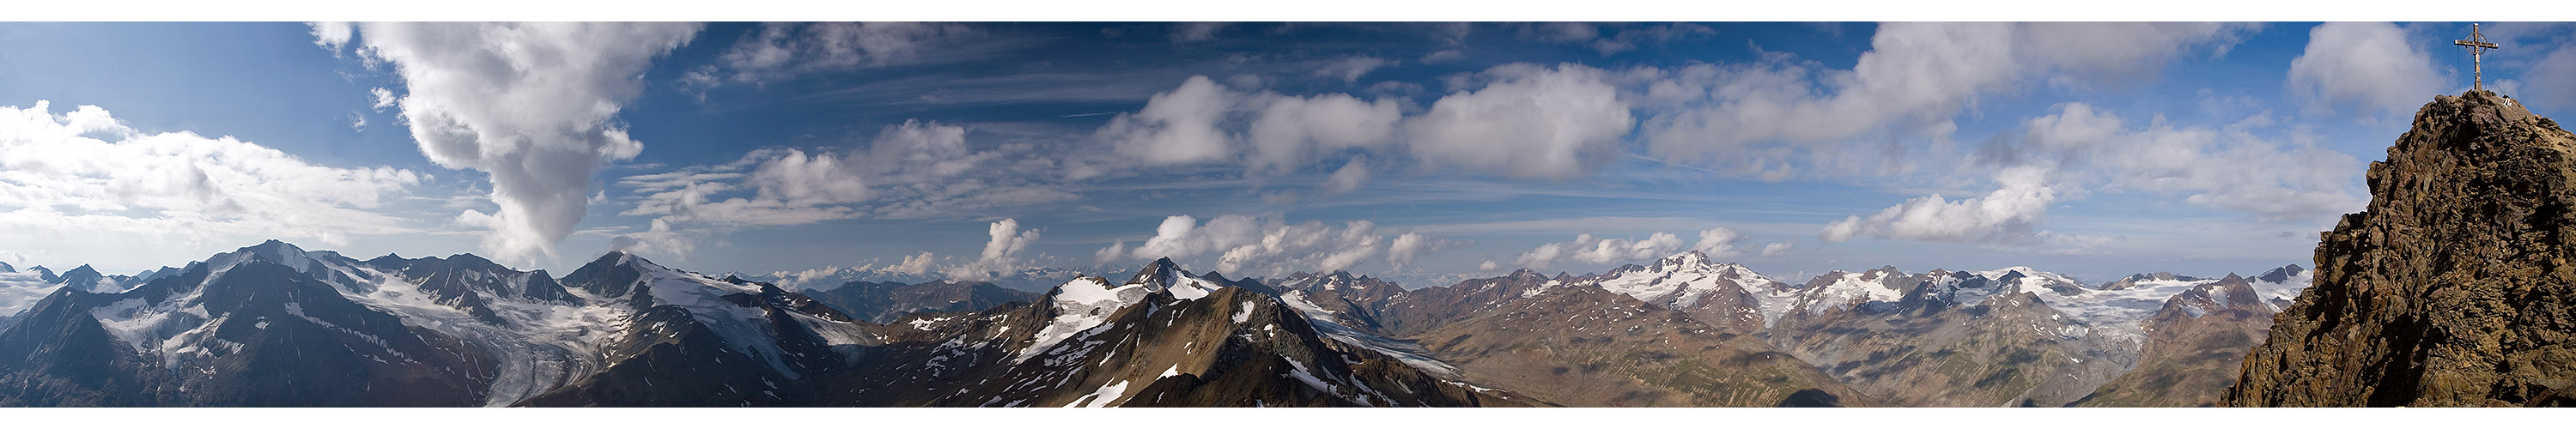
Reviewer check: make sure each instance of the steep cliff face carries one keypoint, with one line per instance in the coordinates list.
(2453, 288)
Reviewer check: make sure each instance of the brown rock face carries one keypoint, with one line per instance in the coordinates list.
(2453, 288)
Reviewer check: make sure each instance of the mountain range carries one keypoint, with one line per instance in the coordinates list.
(276, 325)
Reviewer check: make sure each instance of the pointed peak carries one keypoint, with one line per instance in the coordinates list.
(1160, 272)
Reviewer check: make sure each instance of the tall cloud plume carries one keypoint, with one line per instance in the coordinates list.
(1002, 248)
(533, 104)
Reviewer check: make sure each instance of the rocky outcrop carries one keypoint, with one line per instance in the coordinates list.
(2453, 288)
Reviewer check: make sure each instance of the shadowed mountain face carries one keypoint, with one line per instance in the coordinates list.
(268, 325)
(884, 302)
(2453, 287)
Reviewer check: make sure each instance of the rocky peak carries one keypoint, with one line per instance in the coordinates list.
(1161, 273)
(2452, 287)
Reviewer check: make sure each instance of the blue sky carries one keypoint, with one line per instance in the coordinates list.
(1424, 152)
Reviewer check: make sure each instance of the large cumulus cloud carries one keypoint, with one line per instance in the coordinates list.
(532, 104)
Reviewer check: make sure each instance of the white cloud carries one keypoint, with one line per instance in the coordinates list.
(1247, 246)
(1586, 248)
(331, 36)
(2009, 215)
(1349, 69)
(1289, 131)
(915, 264)
(657, 241)
(1719, 243)
(1759, 118)
(1002, 247)
(2228, 168)
(86, 175)
(380, 98)
(1530, 121)
(1176, 127)
(1488, 265)
(1189, 125)
(779, 51)
(796, 180)
(1779, 248)
(1110, 254)
(2369, 65)
(532, 104)
(916, 169)
(1405, 248)
(357, 122)
(1348, 178)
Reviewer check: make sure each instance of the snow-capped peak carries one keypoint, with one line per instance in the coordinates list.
(1083, 303)
(1684, 280)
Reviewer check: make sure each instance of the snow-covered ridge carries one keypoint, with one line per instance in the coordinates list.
(1084, 303)
(1683, 280)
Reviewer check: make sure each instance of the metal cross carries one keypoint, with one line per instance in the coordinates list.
(2478, 46)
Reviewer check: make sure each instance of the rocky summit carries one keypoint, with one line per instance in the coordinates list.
(2453, 287)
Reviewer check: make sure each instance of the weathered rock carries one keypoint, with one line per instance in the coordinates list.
(2453, 287)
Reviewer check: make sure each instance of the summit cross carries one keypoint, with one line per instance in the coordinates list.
(2478, 46)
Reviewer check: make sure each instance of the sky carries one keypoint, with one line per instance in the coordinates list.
(1424, 152)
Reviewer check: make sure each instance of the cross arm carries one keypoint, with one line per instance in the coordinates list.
(2476, 44)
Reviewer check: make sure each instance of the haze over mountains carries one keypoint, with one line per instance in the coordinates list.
(277, 325)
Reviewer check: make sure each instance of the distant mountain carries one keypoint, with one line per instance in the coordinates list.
(884, 302)
(2007, 337)
(1723, 295)
(2197, 341)
(1581, 345)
